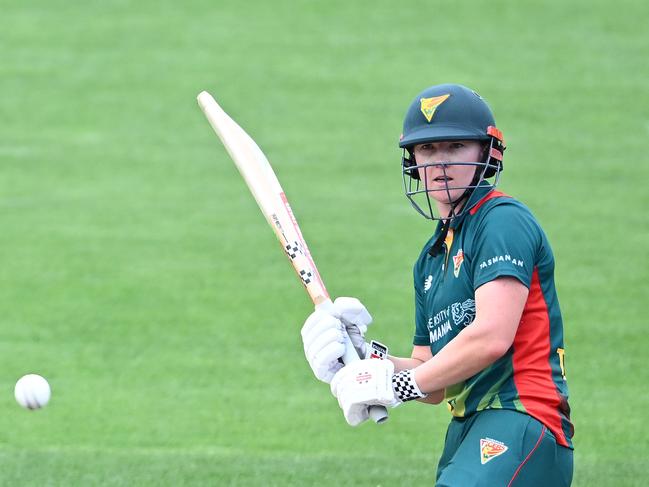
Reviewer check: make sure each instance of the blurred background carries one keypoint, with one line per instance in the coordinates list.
(138, 276)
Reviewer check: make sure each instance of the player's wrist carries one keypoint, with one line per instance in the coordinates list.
(405, 387)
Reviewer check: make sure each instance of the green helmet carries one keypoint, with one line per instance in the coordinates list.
(444, 113)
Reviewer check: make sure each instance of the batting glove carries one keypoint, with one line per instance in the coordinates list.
(356, 319)
(366, 383)
(323, 337)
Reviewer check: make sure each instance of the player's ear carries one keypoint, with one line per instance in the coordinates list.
(485, 150)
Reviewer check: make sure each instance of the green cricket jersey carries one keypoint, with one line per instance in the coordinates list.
(497, 236)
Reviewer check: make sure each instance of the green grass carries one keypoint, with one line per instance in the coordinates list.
(139, 277)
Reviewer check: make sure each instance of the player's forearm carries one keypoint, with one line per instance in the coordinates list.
(402, 363)
(434, 397)
(471, 351)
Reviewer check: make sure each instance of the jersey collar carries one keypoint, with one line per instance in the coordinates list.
(480, 193)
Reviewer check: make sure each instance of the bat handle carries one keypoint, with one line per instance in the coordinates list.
(378, 414)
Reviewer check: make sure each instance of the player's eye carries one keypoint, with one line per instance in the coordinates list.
(424, 150)
(457, 145)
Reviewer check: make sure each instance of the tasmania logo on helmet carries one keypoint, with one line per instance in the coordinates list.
(429, 105)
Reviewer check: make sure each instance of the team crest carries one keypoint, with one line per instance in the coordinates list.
(429, 105)
(463, 313)
(490, 449)
(457, 262)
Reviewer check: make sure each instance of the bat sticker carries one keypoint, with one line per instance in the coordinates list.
(293, 249)
(306, 276)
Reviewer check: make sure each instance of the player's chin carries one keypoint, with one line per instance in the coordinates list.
(445, 196)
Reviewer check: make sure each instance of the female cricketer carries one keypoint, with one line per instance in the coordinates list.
(488, 337)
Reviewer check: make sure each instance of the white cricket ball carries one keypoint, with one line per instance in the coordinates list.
(32, 391)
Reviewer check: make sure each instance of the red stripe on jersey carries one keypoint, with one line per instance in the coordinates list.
(531, 361)
(491, 195)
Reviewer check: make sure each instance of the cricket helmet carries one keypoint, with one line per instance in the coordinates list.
(444, 113)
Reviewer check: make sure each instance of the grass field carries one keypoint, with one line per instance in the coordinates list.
(139, 277)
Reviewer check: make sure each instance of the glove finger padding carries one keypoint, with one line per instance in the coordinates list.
(352, 312)
(356, 319)
(316, 324)
(327, 346)
(356, 414)
(325, 371)
(323, 339)
(323, 358)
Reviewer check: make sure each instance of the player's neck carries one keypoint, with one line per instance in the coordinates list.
(444, 209)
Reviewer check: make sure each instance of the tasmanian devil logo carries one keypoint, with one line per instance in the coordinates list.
(490, 449)
(429, 105)
(463, 313)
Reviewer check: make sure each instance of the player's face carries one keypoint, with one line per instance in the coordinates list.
(447, 181)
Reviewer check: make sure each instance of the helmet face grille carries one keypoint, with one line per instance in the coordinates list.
(419, 194)
(446, 113)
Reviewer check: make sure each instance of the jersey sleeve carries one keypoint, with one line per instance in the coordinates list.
(506, 244)
(421, 327)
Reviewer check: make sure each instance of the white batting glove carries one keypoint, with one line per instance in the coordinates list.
(362, 384)
(323, 337)
(366, 383)
(356, 319)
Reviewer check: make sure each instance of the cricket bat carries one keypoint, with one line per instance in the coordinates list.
(264, 186)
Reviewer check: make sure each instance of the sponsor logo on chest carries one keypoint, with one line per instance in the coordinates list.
(458, 314)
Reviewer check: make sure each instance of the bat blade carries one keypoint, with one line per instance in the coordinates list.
(267, 191)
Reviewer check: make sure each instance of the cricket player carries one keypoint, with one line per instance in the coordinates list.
(488, 334)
